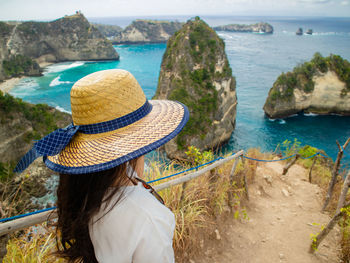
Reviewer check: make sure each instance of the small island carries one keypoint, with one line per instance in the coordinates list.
(254, 28)
(320, 86)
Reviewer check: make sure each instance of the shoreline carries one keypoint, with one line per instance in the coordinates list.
(9, 84)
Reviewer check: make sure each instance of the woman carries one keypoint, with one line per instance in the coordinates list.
(105, 213)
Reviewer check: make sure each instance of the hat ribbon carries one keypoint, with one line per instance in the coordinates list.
(56, 141)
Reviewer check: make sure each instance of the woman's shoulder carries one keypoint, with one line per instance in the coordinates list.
(137, 203)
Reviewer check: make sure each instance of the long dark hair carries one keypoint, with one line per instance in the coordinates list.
(79, 197)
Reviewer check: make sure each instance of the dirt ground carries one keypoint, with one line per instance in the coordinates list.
(283, 211)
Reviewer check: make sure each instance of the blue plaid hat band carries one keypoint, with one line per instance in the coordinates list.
(57, 140)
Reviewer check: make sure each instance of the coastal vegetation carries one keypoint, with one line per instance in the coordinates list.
(43, 118)
(19, 65)
(21, 123)
(291, 92)
(195, 57)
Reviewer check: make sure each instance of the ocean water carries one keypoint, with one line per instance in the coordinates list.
(256, 61)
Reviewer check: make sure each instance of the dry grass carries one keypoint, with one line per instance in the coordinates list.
(196, 205)
(321, 175)
(36, 244)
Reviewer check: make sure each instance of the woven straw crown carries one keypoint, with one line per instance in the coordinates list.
(108, 96)
(104, 96)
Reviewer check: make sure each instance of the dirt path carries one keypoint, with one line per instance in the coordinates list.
(283, 212)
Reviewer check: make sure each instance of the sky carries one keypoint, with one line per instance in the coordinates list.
(53, 9)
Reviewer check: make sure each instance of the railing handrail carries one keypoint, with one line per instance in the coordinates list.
(21, 223)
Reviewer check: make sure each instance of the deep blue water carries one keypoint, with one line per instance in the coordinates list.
(256, 61)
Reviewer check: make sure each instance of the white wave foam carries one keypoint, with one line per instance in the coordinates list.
(62, 110)
(56, 81)
(282, 122)
(311, 114)
(63, 66)
(224, 35)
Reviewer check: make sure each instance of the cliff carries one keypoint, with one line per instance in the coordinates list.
(196, 72)
(21, 123)
(321, 86)
(147, 31)
(26, 122)
(67, 39)
(108, 31)
(255, 28)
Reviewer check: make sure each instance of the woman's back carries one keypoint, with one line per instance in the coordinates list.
(137, 229)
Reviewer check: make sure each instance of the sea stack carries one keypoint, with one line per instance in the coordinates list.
(320, 86)
(196, 72)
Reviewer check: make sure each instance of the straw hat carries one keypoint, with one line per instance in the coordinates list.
(113, 122)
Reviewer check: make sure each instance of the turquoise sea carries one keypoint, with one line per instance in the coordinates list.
(256, 61)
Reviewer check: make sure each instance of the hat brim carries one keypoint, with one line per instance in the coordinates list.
(88, 153)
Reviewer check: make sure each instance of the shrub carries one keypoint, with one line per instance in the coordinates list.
(18, 65)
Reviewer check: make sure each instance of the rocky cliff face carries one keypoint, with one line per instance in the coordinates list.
(256, 28)
(147, 31)
(196, 72)
(321, 86)
(21, 123)
(26, 122)
(67, 39)
(108, 31)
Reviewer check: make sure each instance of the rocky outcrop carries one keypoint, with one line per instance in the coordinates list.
(321, 86)
(147, 31)
(21, 123)
(67, 39)
(255, 28)
(109, 31)
(196, 72)
(26, 122)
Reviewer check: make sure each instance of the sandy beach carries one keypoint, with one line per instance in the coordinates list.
(7, 85)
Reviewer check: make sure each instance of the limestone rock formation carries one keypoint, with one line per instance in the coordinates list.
(321, 86)
(147, 31)
(256, 28)
(196, 72)
(21, 123)
(26, 122)
(67, 39)
(108, 31)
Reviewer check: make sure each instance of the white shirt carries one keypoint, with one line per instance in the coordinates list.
(138, 229)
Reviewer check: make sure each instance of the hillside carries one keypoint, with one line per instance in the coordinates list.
(24, 45)
(320, 86)
(196, 72)
(146, 31)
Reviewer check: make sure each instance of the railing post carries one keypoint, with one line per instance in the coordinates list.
(245, 183)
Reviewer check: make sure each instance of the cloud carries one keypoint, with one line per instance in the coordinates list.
(344, 3)
(314, 1)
